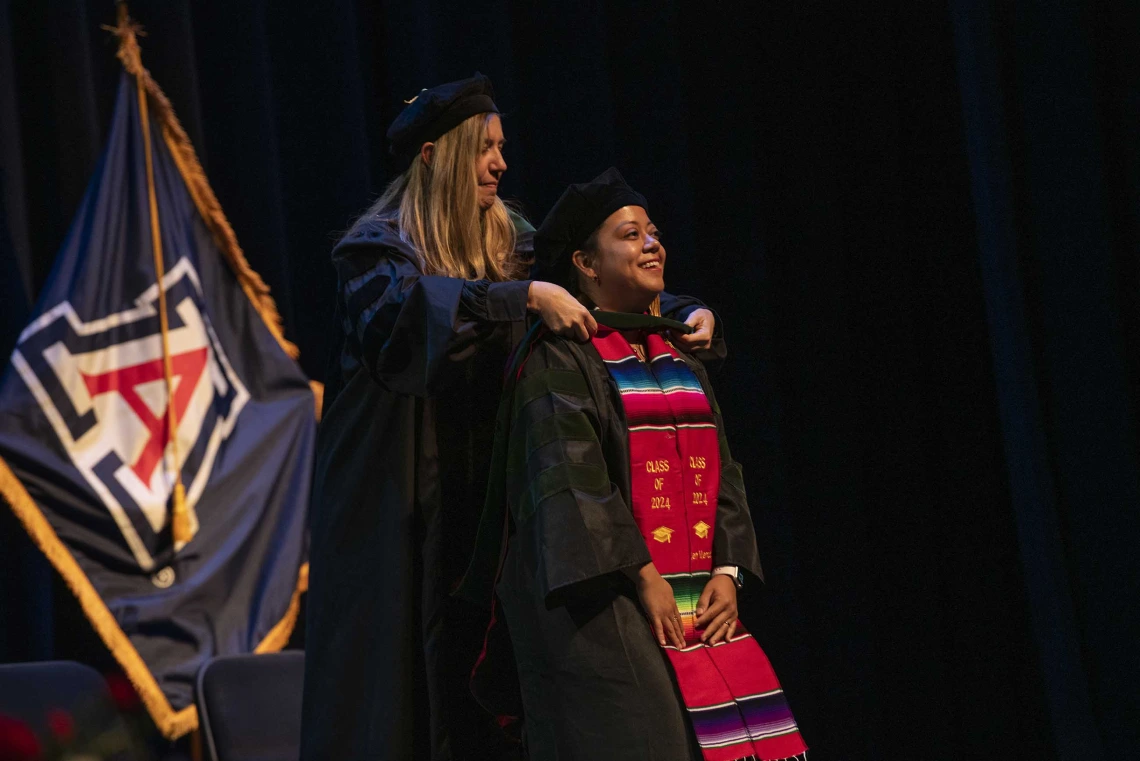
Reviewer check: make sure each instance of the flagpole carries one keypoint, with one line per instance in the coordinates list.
(181, 528)
(43, 514)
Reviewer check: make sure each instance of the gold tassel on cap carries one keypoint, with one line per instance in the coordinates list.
(185, 158)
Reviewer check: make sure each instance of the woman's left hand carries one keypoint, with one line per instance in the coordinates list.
(703, 321)
(716, 610)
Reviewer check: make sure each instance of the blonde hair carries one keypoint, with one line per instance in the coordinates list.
(436, 207)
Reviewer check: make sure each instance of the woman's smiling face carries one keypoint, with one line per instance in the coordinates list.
(626, 271)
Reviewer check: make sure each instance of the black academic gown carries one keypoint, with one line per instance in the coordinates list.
(595, 683)
(403, 451)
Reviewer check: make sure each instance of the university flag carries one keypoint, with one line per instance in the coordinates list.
(156, 435)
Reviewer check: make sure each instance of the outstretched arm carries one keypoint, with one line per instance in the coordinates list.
(407, 327)
(706, 342)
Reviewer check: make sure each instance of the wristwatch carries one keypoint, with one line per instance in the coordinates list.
(733, 571)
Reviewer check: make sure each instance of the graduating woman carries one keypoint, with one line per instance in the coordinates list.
(631, 530)
(427, 311)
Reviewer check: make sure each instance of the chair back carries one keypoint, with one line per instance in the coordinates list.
(43, 694)
(249, 706)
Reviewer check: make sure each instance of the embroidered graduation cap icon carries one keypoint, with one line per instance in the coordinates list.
(701, 529)
(662, 534)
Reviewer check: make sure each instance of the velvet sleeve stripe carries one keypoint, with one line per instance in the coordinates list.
(575, 452)
(374, 334)
(542, 384)
(565, 476)
(562, 426)
(568, 426)
(353, 283)
(494, 302)
(362, 294)
(365, 305)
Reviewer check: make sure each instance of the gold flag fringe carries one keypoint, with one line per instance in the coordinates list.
(279, 635)
(194, 176)
(318, 390)
(171, 723)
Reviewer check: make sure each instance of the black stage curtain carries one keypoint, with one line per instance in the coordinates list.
(919, 224)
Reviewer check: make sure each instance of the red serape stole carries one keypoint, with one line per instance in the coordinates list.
(730, 691)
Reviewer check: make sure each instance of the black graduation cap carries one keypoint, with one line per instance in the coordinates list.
(573, 219)
(437, 110)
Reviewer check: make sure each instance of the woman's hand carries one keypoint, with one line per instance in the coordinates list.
(563, 314)
(716, 609)
(660, 608)
(703, 322)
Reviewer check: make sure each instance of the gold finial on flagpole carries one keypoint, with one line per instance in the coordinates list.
(190, 169)
(128, 31)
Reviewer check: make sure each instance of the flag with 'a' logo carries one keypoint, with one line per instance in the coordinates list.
(156, 436)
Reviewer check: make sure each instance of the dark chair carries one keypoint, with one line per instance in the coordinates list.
(250, 706)
(32, 692)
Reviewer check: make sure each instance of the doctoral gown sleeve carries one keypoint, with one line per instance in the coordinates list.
(680, 307)
(569, 516)
(734, 539)
(404, 326)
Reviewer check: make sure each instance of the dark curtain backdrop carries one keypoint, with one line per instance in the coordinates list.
(919, 222)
